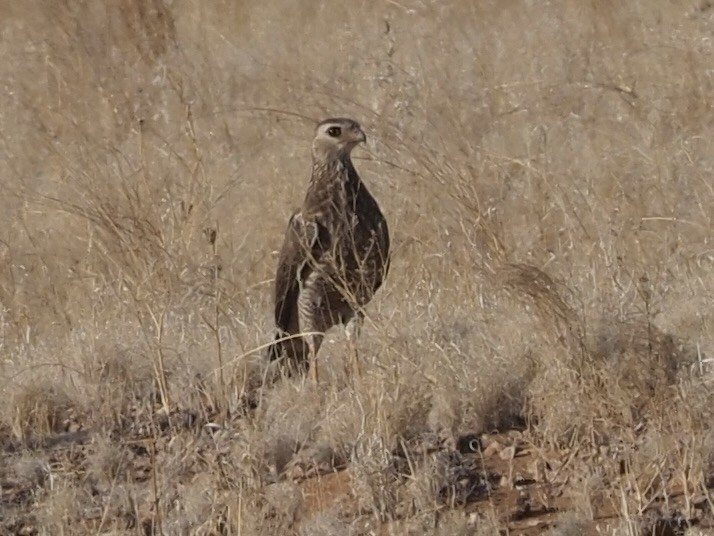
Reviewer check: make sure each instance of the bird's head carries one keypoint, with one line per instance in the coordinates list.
(336, 138)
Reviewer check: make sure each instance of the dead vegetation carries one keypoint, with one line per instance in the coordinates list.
(539, 360)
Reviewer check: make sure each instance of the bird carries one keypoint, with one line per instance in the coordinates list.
(334, 256)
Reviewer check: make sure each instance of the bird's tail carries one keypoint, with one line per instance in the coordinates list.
(289, 352)
(275, 350)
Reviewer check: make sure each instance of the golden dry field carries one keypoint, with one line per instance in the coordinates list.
(540, 359)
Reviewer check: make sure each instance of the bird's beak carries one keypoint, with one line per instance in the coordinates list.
(363, 136)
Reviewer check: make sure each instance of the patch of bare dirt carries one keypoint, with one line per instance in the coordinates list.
(529, 490)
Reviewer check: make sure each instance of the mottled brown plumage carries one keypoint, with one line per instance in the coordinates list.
(335, 253)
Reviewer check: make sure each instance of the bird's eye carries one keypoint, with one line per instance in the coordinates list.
(334, 131)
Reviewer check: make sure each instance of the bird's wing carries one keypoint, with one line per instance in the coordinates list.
(306, 240)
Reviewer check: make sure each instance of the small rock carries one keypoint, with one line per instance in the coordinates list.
(508, 453)
(492, 449)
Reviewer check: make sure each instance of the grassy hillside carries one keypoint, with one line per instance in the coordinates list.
(548, 174)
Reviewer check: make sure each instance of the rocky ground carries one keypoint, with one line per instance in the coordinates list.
(499, 480)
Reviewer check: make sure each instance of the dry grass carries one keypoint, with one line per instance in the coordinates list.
(546, 169)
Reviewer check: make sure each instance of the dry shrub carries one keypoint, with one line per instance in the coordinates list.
(325, 524)
(108, 462)
(38, 410)
(572, 525)
(60, 511)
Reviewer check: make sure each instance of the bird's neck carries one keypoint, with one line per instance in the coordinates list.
(334, 186)
(335, 167)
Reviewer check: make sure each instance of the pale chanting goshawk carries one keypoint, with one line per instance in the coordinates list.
(335, 253)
